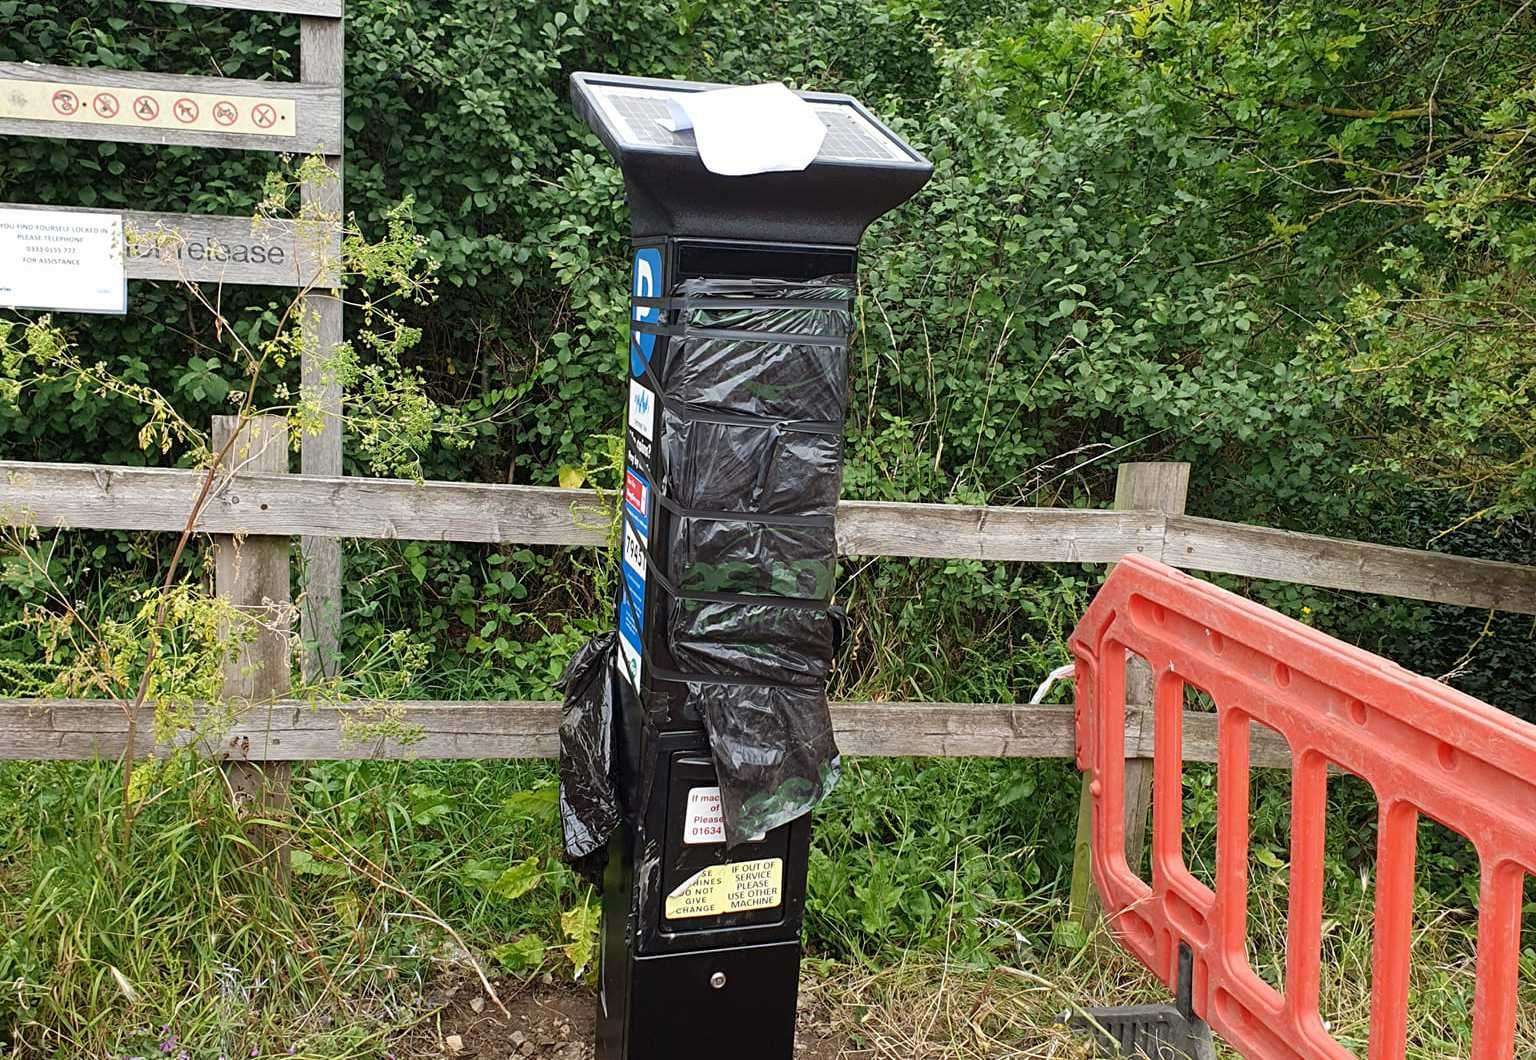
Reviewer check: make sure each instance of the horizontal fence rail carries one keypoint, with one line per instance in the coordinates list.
(292, 730)
(87, 496)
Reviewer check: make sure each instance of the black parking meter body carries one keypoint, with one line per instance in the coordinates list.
(741, 295)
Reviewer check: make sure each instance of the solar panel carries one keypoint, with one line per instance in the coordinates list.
(637, 115)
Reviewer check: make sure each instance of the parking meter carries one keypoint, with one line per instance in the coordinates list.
(741, 294)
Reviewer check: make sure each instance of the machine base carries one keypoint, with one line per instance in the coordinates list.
(726, 1004)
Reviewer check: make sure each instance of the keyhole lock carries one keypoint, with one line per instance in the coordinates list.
(717, 980)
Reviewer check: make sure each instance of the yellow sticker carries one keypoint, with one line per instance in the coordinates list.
(146, 108)
(735, 887)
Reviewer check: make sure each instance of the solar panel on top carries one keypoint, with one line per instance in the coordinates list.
(849, 137)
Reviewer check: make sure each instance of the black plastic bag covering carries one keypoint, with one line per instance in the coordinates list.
(740, 556)
(589, 804)
(784, 644)
(773, 748)
(754, 390)
(768, 379)
(748, 468)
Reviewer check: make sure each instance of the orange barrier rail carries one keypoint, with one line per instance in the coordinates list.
(1424, 748)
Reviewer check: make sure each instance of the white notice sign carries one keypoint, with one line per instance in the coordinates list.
(62, 259)
(704, 822)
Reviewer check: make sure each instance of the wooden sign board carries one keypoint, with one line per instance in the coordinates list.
(65, 102)
(322, 8)
(217, 249)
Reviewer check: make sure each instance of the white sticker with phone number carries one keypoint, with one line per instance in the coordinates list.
(703, 823)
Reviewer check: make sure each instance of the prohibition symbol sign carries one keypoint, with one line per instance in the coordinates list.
(264, 115)
(146, 108)
(65, 101)
(105, 105)
(185, 110)
(225, 112)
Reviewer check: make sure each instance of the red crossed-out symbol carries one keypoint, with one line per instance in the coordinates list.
(185, 110)
(264, 115)
(105, 105)
(225, 112)
(65, 101)
(146, 108)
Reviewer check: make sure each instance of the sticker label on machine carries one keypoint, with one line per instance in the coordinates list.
(703, 821)
(735, 887)
(642, 410)
(637, 503)
(632, 606)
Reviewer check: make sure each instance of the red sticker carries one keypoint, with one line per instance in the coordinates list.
(634, 491)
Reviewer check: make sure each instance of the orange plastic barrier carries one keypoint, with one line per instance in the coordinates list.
(1424, 748)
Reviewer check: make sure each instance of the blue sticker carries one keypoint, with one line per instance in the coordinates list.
(645, 283)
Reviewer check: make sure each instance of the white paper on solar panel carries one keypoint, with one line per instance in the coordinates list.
(639, 115)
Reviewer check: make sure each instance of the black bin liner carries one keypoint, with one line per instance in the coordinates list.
(734, 467)
(774, 380)
(774, 752)
(788, 362)
(740, 556)
(589, 804)
(792, 645)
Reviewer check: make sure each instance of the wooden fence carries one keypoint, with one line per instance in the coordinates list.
(252, 505)
(256, 508)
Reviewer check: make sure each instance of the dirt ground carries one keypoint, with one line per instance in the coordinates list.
(918, 1012)
(555, 1021)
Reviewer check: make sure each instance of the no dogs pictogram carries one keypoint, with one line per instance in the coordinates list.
(146, 108)
(65, 101)
(264, 115)
(185, 110)
(225, 112)
(105, 105)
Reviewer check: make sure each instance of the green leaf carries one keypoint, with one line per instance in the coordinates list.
(523, 954)
(579, 926)
(518, 880)
(304, 863)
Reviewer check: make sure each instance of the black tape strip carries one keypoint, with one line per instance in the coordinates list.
(754, 285)
(784, 338)
(753, 518)
(685, 303)
(800, 602)
(694, 414)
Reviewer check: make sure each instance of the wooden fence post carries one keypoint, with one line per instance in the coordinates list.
(322, 59)
(1162, 487)
(253, 573)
